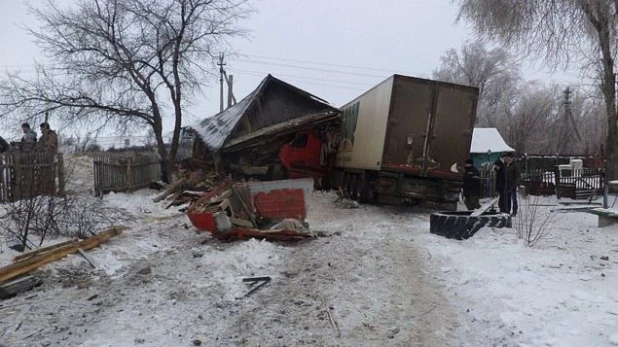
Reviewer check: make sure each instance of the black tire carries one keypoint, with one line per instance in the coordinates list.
(460, 225)
(363, 189)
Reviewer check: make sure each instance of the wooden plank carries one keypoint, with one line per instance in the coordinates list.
(25, 266)
(43, 250)
(12, 288)
(483, 208)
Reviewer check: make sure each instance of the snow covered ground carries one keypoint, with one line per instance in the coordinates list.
(385, 280)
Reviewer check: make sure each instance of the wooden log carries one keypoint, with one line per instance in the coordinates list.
(169, 190)
(24, 284)
(26, 265)
(43, 250)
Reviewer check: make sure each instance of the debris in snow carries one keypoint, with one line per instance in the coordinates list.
(197, 342)
(252, 281)
(198, 254)
(392, 332)
(145, 271)
(249, 210)
(12, 288)
(347, 204)
(604, 257)
(332, 321)
(85, 256)
(34, 260)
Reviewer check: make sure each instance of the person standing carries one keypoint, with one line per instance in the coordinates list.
(513, 179)
(28, 141)
(4, 146)
(504, 193)
(471, 186)
(49, 140)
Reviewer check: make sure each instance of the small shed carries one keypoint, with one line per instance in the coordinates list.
(487, 146)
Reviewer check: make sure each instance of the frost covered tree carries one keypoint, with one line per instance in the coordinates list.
(493, 71)
(562, 32)
(123, 62)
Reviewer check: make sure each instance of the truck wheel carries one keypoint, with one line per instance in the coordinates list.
(354, 185)
(460, 225)
(363, 188)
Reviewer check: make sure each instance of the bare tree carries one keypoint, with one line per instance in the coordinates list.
(560, 31)
(123, 62)
(527, 119)
(493, 71)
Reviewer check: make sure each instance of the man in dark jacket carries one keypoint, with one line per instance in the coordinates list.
(471, 186)
(513, 177)
(28, 141)
(4, 146)
(504, 193)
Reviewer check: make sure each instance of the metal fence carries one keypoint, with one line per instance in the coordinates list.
(575, 184)
(28, 174)
(125, 174)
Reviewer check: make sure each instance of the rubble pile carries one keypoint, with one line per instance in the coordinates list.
(274, 210)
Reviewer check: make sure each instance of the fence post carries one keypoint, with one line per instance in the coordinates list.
(557, 180)
(18, 178)
(61, 177)
(129, 176)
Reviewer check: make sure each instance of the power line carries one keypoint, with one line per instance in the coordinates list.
(331, 64)
(311, 68)
(301, 79)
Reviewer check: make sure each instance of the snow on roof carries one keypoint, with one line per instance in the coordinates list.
(488, 139)
(215, 131)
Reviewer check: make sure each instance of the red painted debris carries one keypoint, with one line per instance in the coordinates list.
(281, 204)
(202, 220)
(261, 202)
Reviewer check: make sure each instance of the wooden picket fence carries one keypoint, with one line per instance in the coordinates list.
(28, 174)
(124, 174)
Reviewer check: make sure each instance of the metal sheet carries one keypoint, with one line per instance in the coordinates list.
(364, 128)
(408, 119)
(454, 122)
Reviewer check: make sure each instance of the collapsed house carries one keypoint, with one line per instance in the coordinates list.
(278, 131)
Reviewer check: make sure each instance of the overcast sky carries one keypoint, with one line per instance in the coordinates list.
(335, 49)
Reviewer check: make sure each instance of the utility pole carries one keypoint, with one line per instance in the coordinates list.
(231, 99)
(568, 112)
(221, 64)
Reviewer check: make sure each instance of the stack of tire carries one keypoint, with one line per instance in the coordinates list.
(461, 225)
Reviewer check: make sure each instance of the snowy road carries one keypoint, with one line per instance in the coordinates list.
(159, 286)
(384, 279)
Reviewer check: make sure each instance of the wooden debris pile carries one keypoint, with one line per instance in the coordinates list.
(10, 280)
(274, 210)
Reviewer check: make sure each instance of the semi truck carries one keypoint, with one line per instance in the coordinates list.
(405, 141)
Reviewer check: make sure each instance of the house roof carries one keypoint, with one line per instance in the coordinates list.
(285, 103)
(488, 140)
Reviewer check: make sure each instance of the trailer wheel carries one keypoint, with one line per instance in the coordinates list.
(460, 225)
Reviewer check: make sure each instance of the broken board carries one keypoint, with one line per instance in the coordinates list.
(479, 211)
(12, 288)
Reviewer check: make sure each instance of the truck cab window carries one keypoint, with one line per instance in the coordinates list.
(300, 141)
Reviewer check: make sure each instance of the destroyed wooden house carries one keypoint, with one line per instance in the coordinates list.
(277, 131)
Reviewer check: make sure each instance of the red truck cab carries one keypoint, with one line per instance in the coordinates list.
(306, 156)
